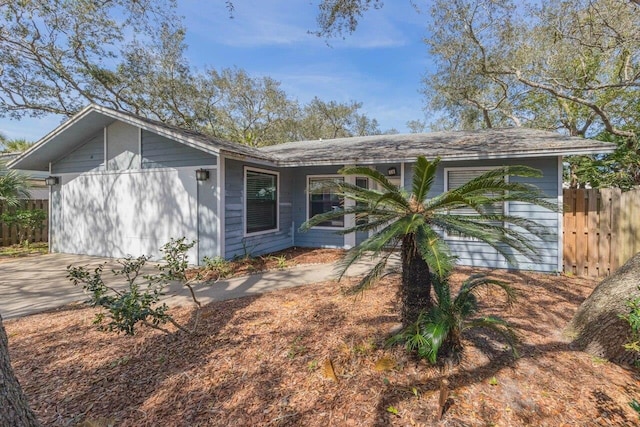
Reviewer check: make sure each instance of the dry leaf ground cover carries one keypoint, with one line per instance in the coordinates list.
(264, 360)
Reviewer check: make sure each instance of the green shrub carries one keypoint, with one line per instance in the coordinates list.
(438, 332)
(633, 317)
(219, 266)
(137, 300)
(25, 221)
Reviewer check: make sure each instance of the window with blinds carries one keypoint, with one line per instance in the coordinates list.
(323, 199)
(456, 178)
(261, 206)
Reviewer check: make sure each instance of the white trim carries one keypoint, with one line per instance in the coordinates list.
(244, 201)
(306, 192)
(49, 205)
(140, 147)
(560, 215)
(221, 184)
(132, 171)
(402, 183)
(349, 220)
(105, 139)
(445, 179)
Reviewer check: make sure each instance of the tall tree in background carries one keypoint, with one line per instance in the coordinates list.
(567, 65)
(55, 57)
(335, 120)
(570, 65)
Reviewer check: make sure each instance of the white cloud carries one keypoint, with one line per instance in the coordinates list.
(278, 22)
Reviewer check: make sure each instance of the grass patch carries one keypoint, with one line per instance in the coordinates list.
(15, 251)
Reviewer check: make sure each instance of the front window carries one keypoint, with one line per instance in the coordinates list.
(322, 199)
(261, 208)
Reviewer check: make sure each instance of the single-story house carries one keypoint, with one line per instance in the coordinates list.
(123, 185)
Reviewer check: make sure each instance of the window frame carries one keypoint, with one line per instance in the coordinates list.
(245, 200)
(308, 201)
(481, 169)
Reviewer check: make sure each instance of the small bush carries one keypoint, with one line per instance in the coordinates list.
(438, 332)
(25, 221)
(633, 317)
(137, 300)
(219, 266)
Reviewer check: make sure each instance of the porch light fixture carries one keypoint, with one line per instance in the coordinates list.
(392, 171)
(202, 175)
(51, 180)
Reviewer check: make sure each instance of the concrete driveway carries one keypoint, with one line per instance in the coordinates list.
(33, 284)
(37, 283)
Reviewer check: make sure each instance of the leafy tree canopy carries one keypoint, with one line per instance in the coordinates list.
(55, 57)
(565, 65)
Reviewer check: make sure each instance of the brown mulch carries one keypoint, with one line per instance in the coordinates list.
(267, 360)
(286, 258)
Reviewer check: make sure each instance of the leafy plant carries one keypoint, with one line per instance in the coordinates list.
(25, 220)
(438, 332)
(281, 261)
(13, 186)
(218, 265)
(633, 317)
(635, 405)
(138, 301)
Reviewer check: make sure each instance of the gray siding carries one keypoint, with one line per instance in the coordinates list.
(314, 237)
(236, 244)
(158, 152)
(478, 254)
(88, 157)
(208, 193)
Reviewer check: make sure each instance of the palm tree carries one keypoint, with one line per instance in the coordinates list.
(13, 186)
(414, 222)
(15, 145)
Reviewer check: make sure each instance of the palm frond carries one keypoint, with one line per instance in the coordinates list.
(373, 245)
(370, 173)
(372, 276)
(434, 251)
(503, 240)
(13, 187)
(424, 174)
(435, 333)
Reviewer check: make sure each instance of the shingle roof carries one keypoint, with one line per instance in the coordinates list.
(454, 145)
(459, 145)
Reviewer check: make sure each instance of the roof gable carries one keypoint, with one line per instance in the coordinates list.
(74, 132)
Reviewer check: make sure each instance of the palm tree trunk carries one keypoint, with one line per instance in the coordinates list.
(14, 408)
(415, 291)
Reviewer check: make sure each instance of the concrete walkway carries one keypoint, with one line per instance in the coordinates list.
(33, 284)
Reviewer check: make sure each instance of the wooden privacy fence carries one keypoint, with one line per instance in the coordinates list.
(601, 230)
(9, 235)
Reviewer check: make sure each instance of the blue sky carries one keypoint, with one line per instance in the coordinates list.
(381, 65)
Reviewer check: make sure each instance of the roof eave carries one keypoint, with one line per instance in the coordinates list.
(452, 157)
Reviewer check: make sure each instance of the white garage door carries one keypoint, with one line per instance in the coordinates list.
(125, 213)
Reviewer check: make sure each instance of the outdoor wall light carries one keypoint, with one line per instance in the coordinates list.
(51, 180)
(392, 171)
(202, 175)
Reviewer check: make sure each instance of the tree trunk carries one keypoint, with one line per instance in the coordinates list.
(14, 408)
(597, 327)
(415, 290)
